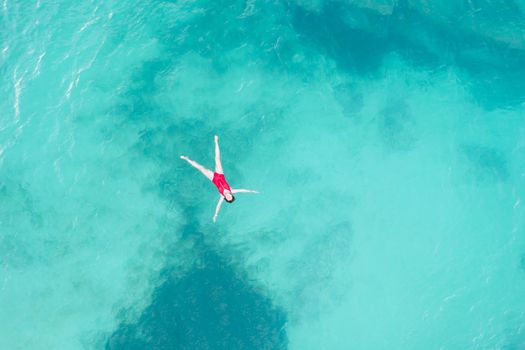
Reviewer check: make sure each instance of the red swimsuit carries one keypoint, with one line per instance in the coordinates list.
(220, 182)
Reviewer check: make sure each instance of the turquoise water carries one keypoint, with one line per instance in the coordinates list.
(387, 139)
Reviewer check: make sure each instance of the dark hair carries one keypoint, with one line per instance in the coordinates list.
(233, 198)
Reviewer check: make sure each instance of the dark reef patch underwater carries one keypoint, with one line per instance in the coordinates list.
(213, 306)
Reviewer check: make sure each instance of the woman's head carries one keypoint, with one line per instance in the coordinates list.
(228, 196)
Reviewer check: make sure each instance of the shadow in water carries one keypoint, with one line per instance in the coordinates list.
(213, 306)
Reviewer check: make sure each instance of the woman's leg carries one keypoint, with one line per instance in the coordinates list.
(206, 172)
(218, 165)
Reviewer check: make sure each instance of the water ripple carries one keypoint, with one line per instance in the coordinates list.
(17, 85)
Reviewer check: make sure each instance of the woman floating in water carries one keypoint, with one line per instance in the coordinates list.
(217, 178)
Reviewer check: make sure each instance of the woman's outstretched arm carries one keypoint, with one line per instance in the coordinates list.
(241, 190)
(218, 208)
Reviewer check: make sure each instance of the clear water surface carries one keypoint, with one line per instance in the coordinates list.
(387, 139)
